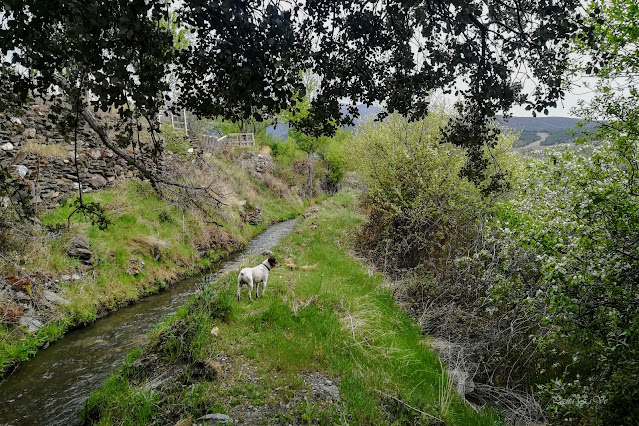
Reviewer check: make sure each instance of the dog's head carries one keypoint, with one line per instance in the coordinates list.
(273, 262)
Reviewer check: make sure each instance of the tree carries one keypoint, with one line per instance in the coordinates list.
(244, 58)
(400, 52)
(309, 143)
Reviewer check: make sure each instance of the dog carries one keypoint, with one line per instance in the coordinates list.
(255, 276)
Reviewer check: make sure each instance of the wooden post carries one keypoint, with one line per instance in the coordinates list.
(185, 129)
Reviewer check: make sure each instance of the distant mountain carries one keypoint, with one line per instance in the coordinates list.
(556, 127)
(280, 131)
(542, 124)
(539, 132)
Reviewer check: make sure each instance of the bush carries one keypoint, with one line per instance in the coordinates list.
(579, 216)
(419, 208)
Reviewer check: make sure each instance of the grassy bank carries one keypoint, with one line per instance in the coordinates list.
(149, 245)
(325, 324)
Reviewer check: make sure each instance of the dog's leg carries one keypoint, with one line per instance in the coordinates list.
(257, 291)
(251, 290)
(239, 287)
(263, 287)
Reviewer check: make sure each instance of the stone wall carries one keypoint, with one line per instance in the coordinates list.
(42, 160)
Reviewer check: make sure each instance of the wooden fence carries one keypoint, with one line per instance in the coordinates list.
(234, 139)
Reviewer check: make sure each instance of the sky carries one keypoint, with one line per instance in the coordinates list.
(579, 91)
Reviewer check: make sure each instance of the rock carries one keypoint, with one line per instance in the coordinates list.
(16, 120)
(33, 324)
(323, 387)
(190, 150)
(21, 170)
(216, 419)
(15, 139)
(135, 267)
(97, 181)
(81, 249)
(254, 217)
(7, 146)
(95, 153)
(54, 194)
(29, 133)
(215, 331)
(54, 298)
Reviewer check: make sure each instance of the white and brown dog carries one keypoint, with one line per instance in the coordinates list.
(255, 276)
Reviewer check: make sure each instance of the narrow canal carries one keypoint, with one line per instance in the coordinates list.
(51, 388)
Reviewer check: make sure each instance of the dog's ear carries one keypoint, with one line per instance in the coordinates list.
(271, 260)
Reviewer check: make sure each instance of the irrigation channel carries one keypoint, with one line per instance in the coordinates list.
(51, 388)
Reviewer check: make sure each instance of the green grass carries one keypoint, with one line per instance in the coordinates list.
(143, 227)
(333, 317)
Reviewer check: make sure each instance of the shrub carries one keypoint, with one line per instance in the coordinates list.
(580, 217)
(418, 206)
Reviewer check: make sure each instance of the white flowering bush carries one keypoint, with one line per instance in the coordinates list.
(579, 215)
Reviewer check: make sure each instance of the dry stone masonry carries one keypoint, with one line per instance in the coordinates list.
(43, 160)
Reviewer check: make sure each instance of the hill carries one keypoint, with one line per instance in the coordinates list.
(545, 131)
(280, 131)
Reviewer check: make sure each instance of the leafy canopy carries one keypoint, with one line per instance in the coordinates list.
(244, 57)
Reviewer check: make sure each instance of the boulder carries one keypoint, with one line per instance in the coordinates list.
(7, 146)
(53, 298)
(95, 153)
(33, 324)
(322, 387)
(81, 249)
(29, 133)
(253, 217)
(97, 181)
(21, 170)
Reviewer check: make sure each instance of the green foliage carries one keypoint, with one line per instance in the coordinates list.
(335, 157)
(124, 52)
(165, 217)
(174, 139)
(579, 216)
(92, 211)
(377, 348)
(418, 205)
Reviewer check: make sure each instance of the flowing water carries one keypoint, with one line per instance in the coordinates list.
(51, 388)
